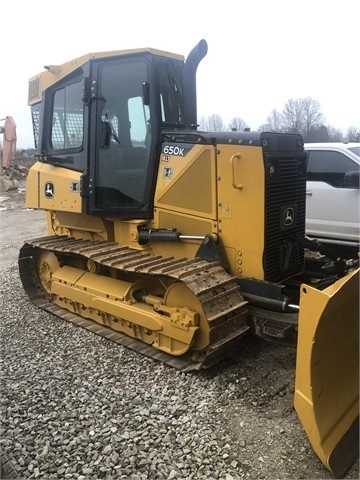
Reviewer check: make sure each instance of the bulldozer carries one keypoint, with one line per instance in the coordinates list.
(178, 242)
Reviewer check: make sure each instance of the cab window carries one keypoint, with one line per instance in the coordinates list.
(68, 118)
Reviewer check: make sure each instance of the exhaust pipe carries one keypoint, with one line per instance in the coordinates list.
(189, 81)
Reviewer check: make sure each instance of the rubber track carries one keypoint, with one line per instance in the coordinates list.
(217, 291)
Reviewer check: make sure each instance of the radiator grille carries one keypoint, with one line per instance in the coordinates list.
(284, 215)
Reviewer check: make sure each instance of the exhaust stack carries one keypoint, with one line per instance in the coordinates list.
(190, 67)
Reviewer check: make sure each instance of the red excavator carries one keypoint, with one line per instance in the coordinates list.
(9, 145)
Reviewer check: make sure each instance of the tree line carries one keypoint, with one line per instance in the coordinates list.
(301, 115)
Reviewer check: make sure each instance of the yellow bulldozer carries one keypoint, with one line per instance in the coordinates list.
(178, 242)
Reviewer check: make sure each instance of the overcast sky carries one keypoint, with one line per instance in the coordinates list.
(261, 53)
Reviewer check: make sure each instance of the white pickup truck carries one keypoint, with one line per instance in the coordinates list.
(333, 194)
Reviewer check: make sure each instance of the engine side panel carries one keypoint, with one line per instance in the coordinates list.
(241, 202)
(51, 187)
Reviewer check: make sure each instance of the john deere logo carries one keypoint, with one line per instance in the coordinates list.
(49, 190)
(289, 216)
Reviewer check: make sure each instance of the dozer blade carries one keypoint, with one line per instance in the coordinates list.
(327, 371)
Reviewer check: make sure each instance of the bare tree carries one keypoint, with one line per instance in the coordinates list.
(312, 116)
(293, 116)
(335, 135)
(213, 123)
(237, 124)
(352, 134)
(318, 134)
(275, 121)
(303, 116)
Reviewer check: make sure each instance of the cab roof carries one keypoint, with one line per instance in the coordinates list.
(54, 73)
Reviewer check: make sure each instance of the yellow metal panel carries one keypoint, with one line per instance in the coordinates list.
(32, 186)
(109, 301)
(187, 225)
(241, 201)
(92, 292)
(53, 188)
(327, 371)
(81, 226)
(191, 187)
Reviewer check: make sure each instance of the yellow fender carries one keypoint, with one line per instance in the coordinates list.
(327, 371)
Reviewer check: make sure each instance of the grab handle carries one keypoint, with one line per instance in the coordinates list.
(233, 162)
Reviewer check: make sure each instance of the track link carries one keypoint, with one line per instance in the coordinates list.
(218, 292)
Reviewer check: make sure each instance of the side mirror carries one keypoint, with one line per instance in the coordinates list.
(351, 179)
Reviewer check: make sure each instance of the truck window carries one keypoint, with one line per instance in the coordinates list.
(329, 167)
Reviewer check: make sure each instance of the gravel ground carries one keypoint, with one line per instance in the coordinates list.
(76, 406)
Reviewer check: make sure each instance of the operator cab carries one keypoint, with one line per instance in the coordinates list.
(104, 118)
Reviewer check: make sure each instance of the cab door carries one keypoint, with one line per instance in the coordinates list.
(120, 167)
